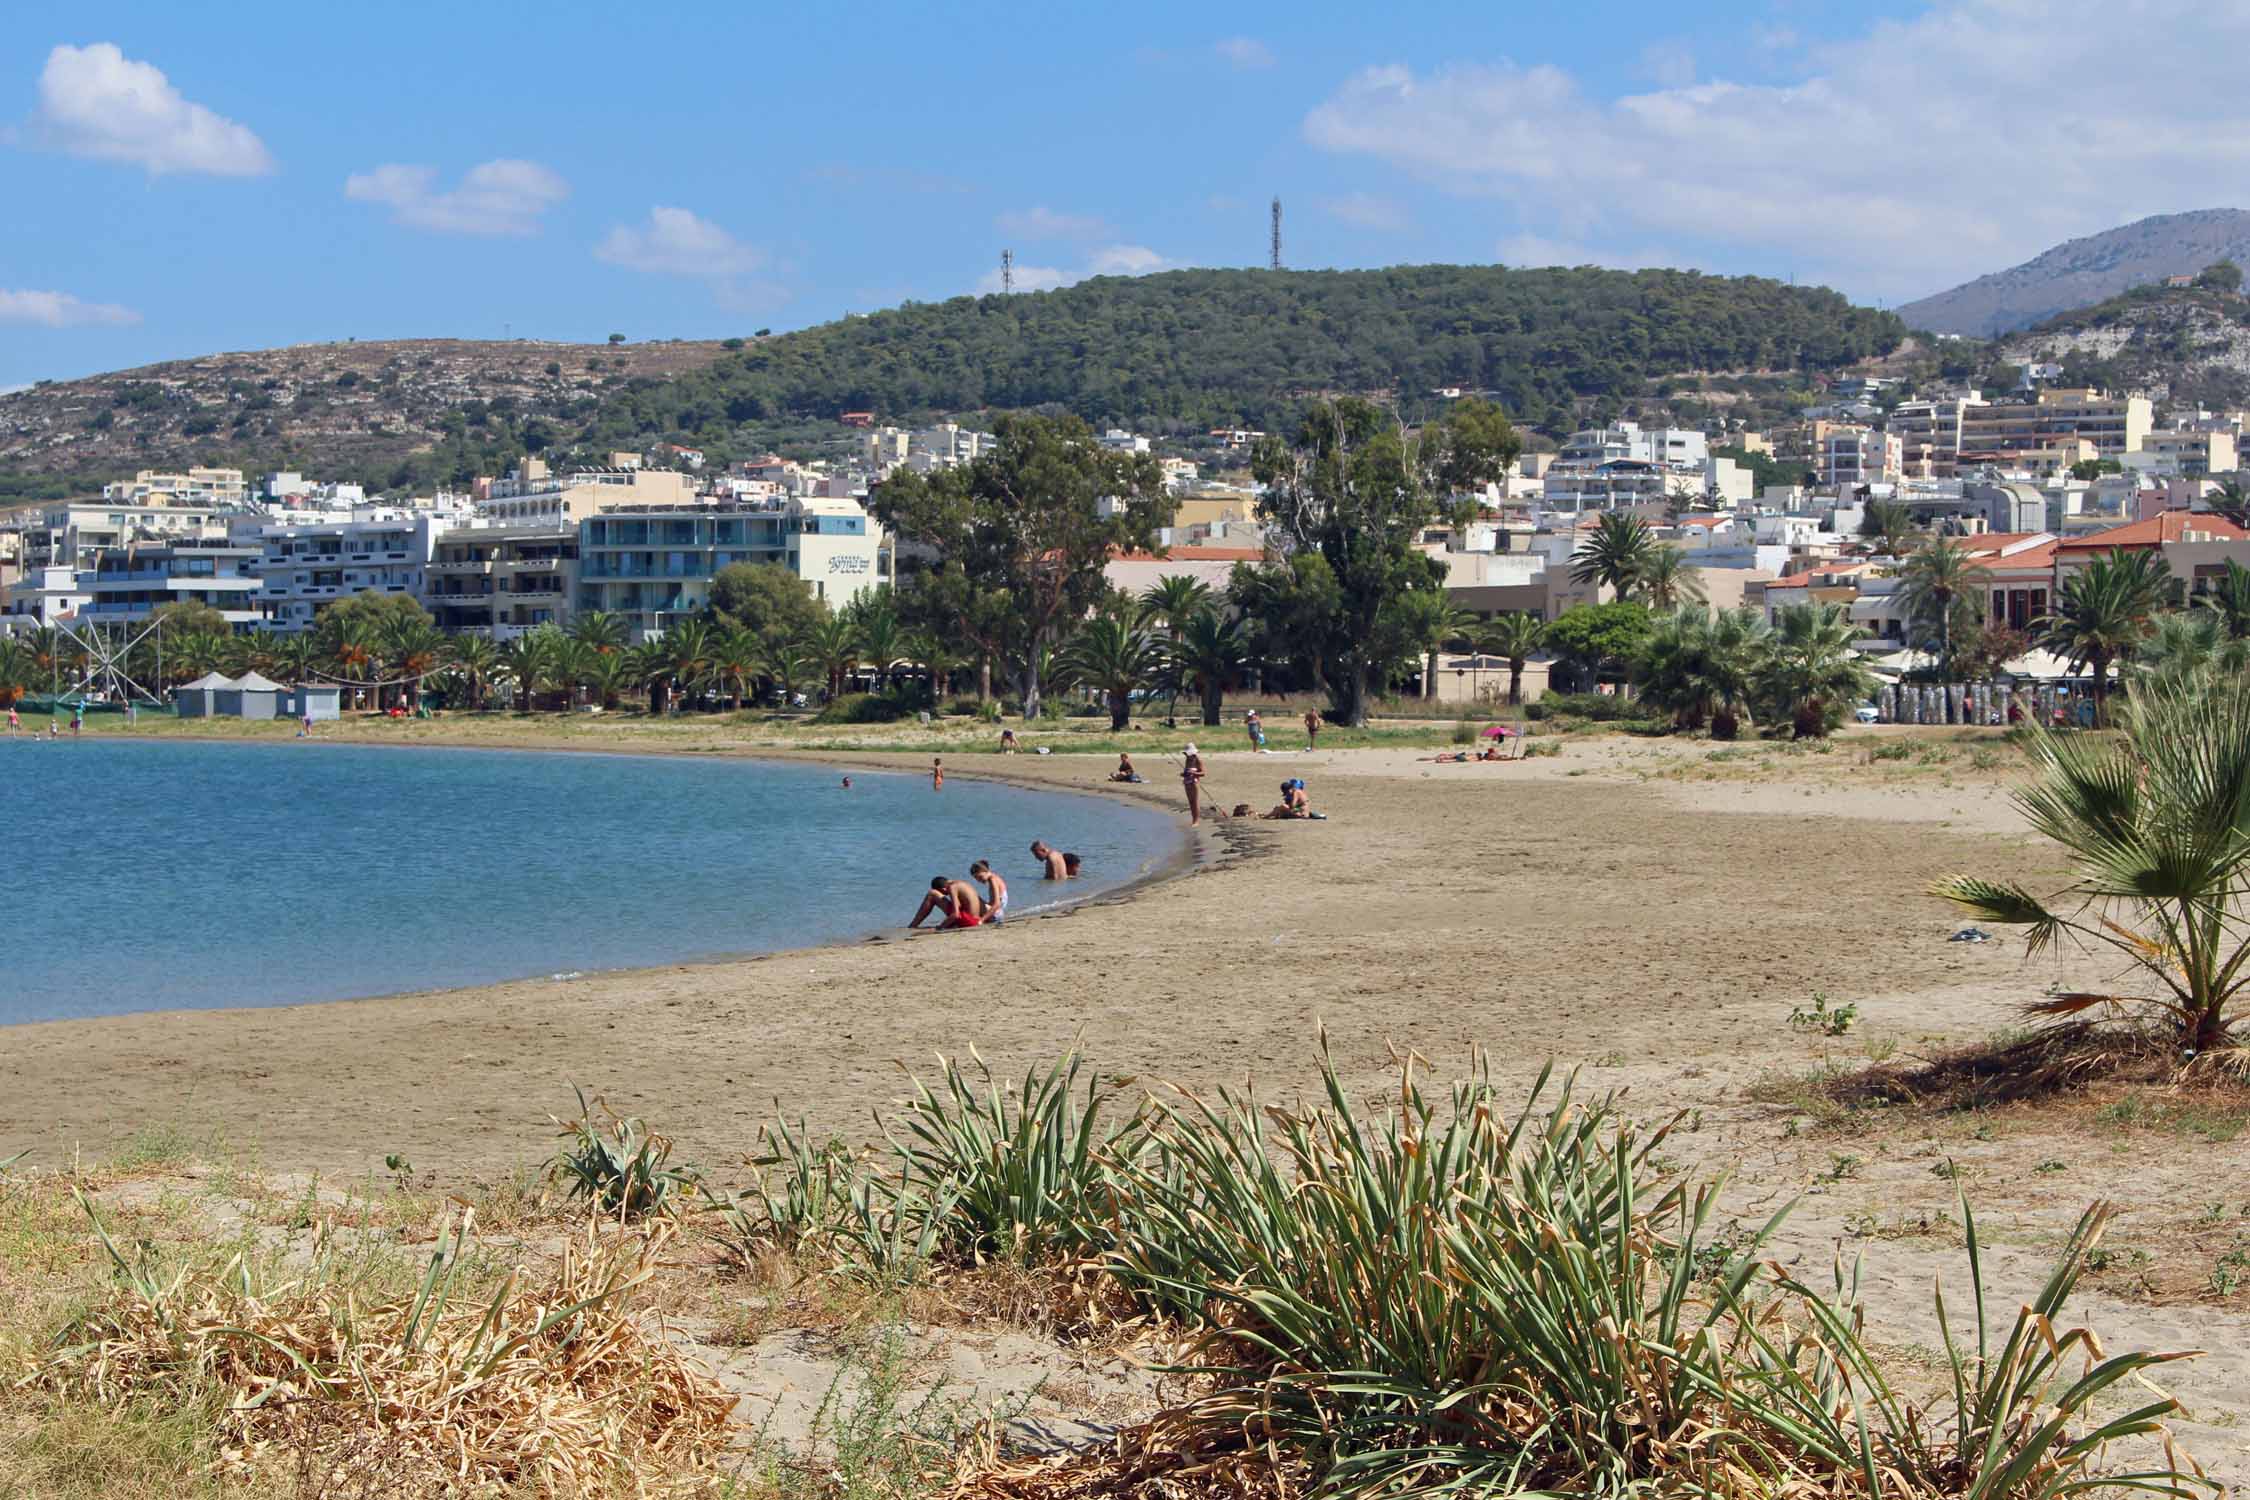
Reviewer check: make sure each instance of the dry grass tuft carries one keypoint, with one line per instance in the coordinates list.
(1170, 1458)
(2048, 1063)
(558, 1382)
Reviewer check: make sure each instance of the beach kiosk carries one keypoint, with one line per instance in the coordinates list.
(249, 696)
(320, 702)
(197, 699)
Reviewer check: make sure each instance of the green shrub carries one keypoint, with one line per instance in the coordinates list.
(1601, 708)
(866, 708)
(619, 1163)
(1464, 733)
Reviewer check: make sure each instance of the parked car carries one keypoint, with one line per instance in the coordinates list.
(1866, 713)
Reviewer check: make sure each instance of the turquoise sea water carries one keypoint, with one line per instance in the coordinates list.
(154, 876)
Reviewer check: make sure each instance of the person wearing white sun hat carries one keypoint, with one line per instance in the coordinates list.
(1191, 782)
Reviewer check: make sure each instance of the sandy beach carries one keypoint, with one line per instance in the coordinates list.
(1648, 911)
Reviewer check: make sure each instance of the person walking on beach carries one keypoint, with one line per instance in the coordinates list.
(1312, 727)
(1191, 782)
(77, 720)
(1256, 729)
(995, 890)
(15, 724)
(937, 773)
(958, 899)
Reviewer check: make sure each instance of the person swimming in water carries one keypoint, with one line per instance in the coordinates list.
(1050, 860)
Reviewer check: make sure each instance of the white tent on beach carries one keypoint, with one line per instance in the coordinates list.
(198, 699)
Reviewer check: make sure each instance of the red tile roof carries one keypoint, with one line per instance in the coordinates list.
(2040, 557)
(2164, 526)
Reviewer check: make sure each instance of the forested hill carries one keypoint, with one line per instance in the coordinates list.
(1198, 349)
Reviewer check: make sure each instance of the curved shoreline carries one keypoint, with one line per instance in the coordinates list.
(1200, 848)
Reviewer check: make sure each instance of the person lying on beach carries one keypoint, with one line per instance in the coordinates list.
(1451, 757)
(958, 899)
(995, 890)
(1050, 860)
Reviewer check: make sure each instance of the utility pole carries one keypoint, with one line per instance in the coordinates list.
(1276, 260)
(1007, 272)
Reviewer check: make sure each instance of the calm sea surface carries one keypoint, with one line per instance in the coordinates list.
(149, 876)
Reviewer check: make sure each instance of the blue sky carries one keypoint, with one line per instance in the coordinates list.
(183, 179)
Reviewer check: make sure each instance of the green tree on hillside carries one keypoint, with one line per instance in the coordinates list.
(1034, 522)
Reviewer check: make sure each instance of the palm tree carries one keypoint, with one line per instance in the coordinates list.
(646, 666)
(573, 664)
(608, 675)
(833, 645)
(935, 655)
(2232, 502)
(2102, 614)
(602, 630)
(1116, 658)
(529, 662)
(261, 652)
(196, 653)
(1700, 667)
(1172, 601)
(1930, 584)
(2153, 825)
(1208, 657)
(475, 660)
(1516, 638)
(413, 649)
(882, 640)
(736, 656)
(299, 657)
(786, 663)
(16, 670)
(1440, 621)
(2229, 598)
(1809, 672)
(685, 651)
(1666, 581)
(1616, 554)
(353, 650)
(1892, 524)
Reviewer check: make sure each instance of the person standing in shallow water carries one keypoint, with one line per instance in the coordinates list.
(1191, 782)
(937, 773)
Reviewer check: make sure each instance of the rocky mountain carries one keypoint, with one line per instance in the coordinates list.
(2186, 345)
(2080, 272)
(336, 410)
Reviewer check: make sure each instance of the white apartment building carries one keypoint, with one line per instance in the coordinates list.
(533, 497)
(653, 565)
(130, 583)
(1678, 447)
(195, 487)
(1118, 440)
(1851, 456)
(42, 596)
(307, 567)
(73, 533)
(1929, 433)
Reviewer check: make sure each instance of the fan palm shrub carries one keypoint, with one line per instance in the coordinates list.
(2157, 827)
(2229, 598)
(2183, 645)
(2102, 614)
(1809, 674)
(1700, 667)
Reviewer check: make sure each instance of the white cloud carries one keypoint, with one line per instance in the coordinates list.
(1109, 260)
(1046, 224)
(1245, 52)
(95, 101)
(675, 242)
(498, 197)
(61, 310)
(1876, 167)
(1366, 211)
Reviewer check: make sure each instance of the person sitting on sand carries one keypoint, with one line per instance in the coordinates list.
(958, 899)
(1124, 771)
(1007, 742)
(1050, 860)
(995, 890)
(1491, 752)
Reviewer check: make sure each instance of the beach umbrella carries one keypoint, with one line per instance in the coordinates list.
(1499, 732)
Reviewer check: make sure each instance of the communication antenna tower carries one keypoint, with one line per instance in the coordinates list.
(1007, 272)
(1277, 234)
